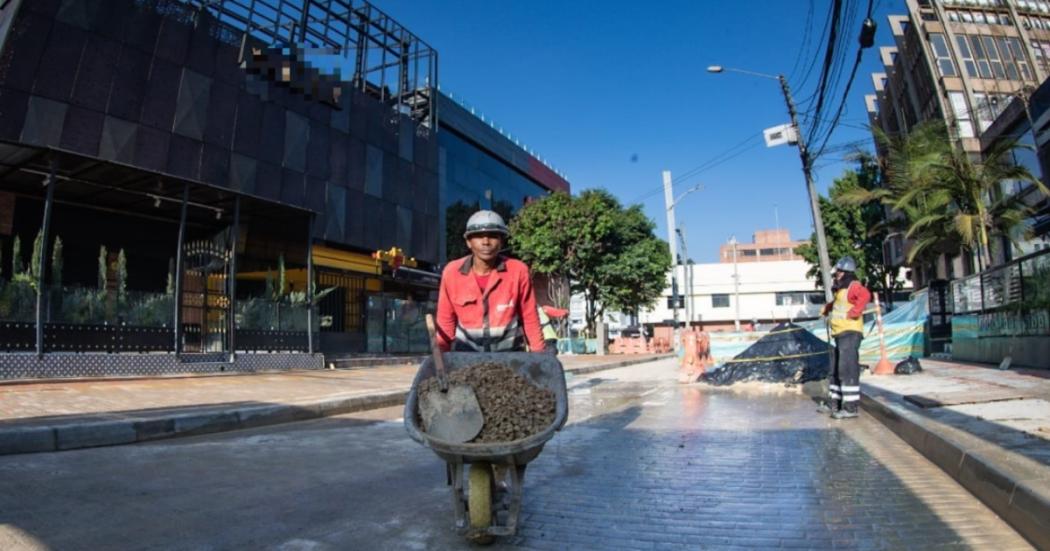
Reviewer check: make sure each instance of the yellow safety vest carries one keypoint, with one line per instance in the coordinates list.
(840, 321)
(545, 323)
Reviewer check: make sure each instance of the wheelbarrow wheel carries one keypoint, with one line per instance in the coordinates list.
(479, 501)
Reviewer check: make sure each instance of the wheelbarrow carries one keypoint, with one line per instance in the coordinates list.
(481, 512)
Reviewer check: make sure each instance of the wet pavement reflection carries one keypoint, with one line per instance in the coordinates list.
(644, 463)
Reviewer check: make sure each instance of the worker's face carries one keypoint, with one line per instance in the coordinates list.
(485, 246)
(839, 275)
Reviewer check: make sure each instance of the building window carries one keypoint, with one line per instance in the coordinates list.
(944, 58)
(983, 67)
(988, 107)
(962, 114)
(768, 252)
(966, 56)
(720, 301)
(993, 56)
(791, 299)
(1009, 63)
(1020, 58)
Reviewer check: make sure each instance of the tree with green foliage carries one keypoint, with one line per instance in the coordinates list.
(855, 230)
(543, 237)
(103, 268)
(606, 252)
(949, 203)
(169, 289)
(56, 262)
(122, 277)
(282, 278)
(634, 277)
(36, 257)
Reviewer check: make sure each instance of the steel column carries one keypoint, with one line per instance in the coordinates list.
(41, 266)
(310, 285)
(231, 288)
(179, 269)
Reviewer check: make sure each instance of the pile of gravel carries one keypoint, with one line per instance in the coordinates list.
(512, 407)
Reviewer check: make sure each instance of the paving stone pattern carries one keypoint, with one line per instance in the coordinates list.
(642, 464)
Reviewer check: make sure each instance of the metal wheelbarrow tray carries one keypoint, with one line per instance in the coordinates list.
(476, 514)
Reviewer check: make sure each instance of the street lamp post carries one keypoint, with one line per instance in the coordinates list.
(736, 288)
(807, 171)
(688, 269)
(670, 202)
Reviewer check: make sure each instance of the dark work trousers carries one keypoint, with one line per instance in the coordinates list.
(844, 385)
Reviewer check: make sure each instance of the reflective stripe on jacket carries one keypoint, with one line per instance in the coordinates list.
(499, 319)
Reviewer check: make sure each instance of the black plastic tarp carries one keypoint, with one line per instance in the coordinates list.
(788, 354)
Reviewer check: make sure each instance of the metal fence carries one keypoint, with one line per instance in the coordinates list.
(1021, 283)
(348, 41)
(83, 319)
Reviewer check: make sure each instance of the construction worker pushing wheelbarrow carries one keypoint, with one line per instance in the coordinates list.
(486, 317)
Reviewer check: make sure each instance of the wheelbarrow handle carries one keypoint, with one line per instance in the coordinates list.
(439, 360)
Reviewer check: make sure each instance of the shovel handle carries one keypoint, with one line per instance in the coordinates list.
(439, 360)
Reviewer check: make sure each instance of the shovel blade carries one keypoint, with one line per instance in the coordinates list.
(453, 416)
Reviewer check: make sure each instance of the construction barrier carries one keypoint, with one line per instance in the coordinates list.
(639, 345)
(904, 328)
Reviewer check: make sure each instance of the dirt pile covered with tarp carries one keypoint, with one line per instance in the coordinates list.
(512, 407)
(788, 354)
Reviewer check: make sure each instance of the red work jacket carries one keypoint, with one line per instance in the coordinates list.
(497, 319)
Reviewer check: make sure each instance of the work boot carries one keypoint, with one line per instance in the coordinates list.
(826, 407)
(845, 414)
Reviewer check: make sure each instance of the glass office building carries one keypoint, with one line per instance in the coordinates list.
(481, 168)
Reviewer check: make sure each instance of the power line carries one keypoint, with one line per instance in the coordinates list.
(805, 41)
(722, 157)
(829, 56)
(845, 94)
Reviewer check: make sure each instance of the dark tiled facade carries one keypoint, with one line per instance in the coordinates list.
(157, 86)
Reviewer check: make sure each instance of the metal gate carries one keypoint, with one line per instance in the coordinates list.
(205, 299)
(940, 321)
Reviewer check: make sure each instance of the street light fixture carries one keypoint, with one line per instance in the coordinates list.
(807, 171)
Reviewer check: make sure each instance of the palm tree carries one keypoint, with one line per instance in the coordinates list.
(947, 202)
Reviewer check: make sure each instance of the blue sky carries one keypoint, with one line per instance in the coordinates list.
(611, 93)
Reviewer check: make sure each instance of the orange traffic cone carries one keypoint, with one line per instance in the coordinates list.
(884, 367)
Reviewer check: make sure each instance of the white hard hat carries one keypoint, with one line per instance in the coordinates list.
(846, 264)
(486, 221)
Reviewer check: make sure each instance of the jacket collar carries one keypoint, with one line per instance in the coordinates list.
(468, 263)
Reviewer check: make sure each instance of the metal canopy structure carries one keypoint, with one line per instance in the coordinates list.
(350, 41)
(109, 186)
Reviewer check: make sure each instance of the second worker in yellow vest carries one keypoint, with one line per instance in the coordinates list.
(846, 318)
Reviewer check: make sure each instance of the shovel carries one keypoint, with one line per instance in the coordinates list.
(452, 414)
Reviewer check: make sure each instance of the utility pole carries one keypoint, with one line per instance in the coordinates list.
(688, 268)
(669, 201)
(736, 287)
(814, 204)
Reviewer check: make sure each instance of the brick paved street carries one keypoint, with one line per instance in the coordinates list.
(643, 464)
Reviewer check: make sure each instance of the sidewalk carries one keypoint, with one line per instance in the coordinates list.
(988, 429)
(63, 415)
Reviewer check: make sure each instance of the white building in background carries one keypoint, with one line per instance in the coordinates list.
(769, 292)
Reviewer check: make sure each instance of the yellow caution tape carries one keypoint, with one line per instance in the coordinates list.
(772, 358)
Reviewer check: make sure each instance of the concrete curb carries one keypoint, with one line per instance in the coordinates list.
(1024, 504)
(115, 429)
